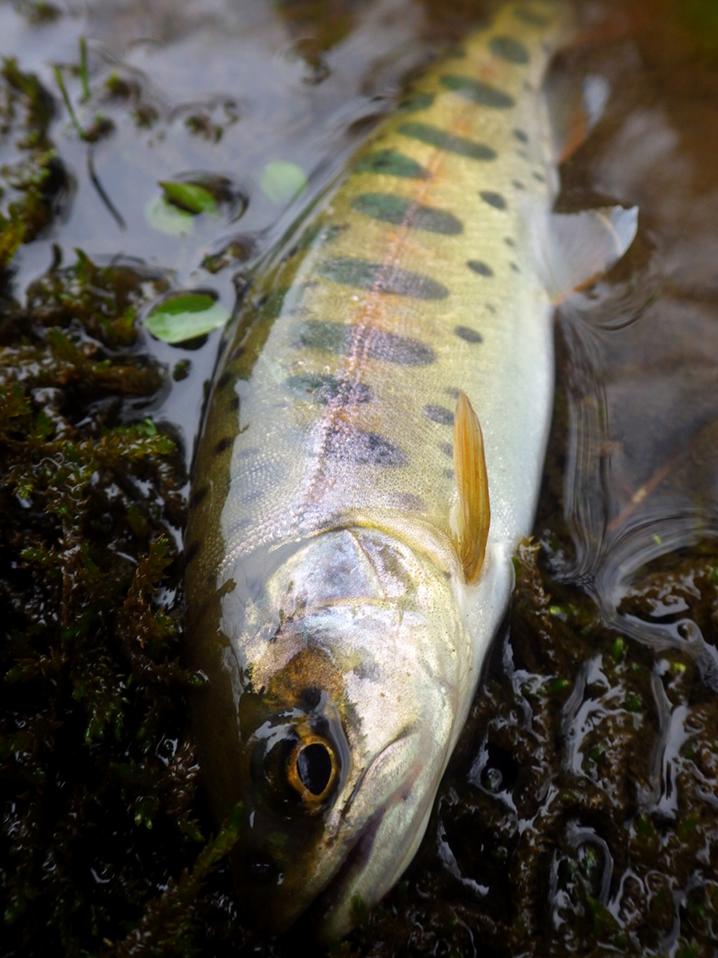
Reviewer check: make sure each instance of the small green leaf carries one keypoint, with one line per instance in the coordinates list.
(189, 197)
(167, 218)
(186, 316)
(282, 181)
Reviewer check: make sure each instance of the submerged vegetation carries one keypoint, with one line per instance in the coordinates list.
(579, 815)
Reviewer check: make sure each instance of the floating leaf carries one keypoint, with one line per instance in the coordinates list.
(282, 181)
(168, 218)
(186, 316)
(189, 197)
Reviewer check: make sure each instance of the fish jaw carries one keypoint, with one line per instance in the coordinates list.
(353, 651)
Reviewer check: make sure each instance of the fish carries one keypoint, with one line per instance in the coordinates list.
(370, 458)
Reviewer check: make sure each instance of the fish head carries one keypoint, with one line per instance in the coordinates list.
(354, 697)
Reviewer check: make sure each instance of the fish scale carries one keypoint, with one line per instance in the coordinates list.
(460, 333)
(329, 603)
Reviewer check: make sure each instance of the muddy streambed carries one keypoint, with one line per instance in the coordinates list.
(580, 813)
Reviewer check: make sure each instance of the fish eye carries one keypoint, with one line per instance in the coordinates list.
(312, 768)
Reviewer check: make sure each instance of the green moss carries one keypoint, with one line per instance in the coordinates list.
(32, 182)
(95, 754)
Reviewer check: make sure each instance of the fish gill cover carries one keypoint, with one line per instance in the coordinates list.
(579, 815)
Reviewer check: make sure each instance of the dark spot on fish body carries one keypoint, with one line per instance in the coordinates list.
(453, 392)
(518, 185)
(439, 414)
(447, 449)
(521, 136)
(234, 403)
(392, 163)
(407, 501)
(364, 448)
(414, 102)
(197, 496)
(401, 350)
(515, 268)
(326, 336)
(380, 278)
(468, 335)
(478, 92)
(493, 199)
(271, 305)
(434, 136)
(340, 338)
(539, 177)
(529, 16)
(480, 268)
(225, 379)
(223, 445)
(324, 389)
(191, 553)
(509, 50)
(401, 211)
(509, 242)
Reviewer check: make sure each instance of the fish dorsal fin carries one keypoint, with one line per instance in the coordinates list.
(472, 484)
(580, 247)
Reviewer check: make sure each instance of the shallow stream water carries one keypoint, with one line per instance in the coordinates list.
(581, 813)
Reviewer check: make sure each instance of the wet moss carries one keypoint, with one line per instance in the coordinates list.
(98, 773)
(33, 181)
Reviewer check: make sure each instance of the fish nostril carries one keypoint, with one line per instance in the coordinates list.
(315, 767)
(262, 872)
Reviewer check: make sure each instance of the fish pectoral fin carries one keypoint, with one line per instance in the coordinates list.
(575, 109)
(472, 484)
(581, 247)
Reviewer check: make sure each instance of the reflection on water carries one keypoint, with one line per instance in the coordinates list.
(581, 814)
(642, 366)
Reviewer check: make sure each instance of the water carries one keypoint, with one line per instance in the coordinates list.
(580, 815)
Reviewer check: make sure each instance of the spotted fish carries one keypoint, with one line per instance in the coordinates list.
(351, 531)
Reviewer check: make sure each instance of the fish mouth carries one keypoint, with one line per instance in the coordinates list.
(331, 913)
(320, 914)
